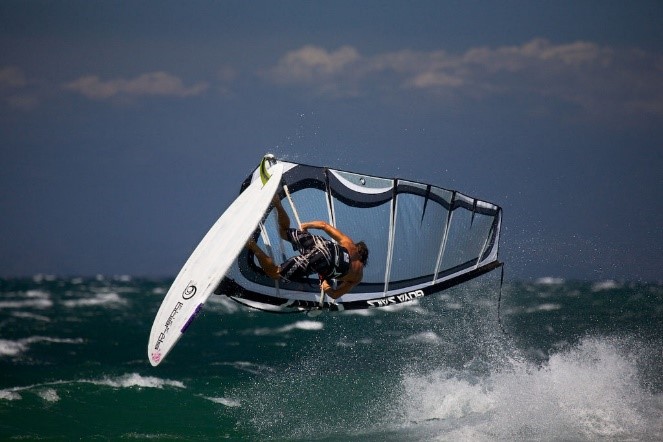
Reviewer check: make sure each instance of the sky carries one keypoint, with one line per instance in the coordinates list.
(127, 127)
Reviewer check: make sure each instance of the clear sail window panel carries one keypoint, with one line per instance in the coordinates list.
(467, 238)
(371, 226)
(417, 237)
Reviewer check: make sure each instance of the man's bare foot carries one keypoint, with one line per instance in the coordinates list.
(251, 245)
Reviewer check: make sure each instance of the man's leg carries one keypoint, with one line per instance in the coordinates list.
(265, 261)
(282, 216)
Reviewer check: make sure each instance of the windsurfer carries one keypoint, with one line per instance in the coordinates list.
(343, 260)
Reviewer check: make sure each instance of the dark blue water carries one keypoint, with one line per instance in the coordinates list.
(578, 361)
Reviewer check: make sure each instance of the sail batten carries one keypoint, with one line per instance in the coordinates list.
(390, 247)
(445, 236)
(330, 202)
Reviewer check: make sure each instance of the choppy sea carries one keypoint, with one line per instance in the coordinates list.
(574, 361)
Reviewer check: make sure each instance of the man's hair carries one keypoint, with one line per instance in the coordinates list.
(362, 251)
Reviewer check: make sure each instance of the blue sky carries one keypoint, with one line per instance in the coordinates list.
(128, 126)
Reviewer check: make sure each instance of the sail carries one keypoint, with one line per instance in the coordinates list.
(422, 238)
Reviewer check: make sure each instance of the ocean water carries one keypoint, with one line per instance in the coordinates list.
(575, 361)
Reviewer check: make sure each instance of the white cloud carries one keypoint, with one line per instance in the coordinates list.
(599, 81)
(149, 84)
(311, 64)
(327, 72)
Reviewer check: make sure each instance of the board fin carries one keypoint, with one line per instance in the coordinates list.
(266, 162)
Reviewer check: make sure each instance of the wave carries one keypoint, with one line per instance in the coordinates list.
(47, 391)
(606, 285)
(153, 436)
(135, 380)
(38, 303)
(40, 277)
(49, 395)
(44, 391)
(550, 280)
(590, 391)
(28, 315)
(428, 337)
(39, 294)
(410, 305)
(299, 325)
(546, 307)
(9, 395)
(223, 401)
(17, 347)
(358, 312)
(248, 367)
(111, 299)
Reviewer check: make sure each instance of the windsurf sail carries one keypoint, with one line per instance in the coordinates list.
(422, 238)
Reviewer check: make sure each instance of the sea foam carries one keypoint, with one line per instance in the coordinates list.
(590, 391)
(605, 285)
(136, 380)
(427, 337)
(49, 395)
(299, 325)
(38, 303)
(223, 401)
(248, 367)
(9, 395)
(16, 347)
(111, 299)
(47, 391)
(549, 280)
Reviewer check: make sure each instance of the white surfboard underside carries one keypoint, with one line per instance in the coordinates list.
(208, 264)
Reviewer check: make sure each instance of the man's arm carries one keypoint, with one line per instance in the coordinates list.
(336, 234)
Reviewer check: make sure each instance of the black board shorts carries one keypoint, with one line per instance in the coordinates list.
(316, 255)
